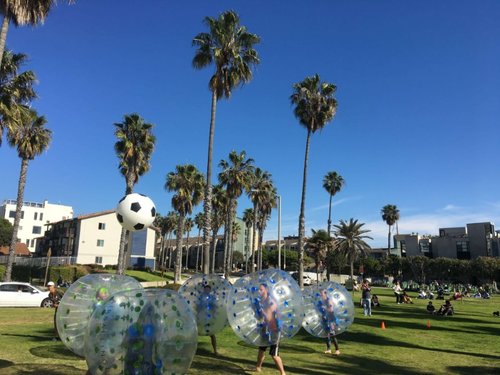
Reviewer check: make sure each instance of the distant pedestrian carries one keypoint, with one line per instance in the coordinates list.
(55, 298)
(366, 298)
(398, 292)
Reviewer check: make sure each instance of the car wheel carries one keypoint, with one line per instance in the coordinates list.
(47, 303)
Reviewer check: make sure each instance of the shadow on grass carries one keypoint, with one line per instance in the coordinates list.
(284, 346)
(4, 363)
(38, 369)
(374, 339)
(31, 337)
(55, 352)
(464, 370)
(438, 323)
(350, 364)
(216, 365)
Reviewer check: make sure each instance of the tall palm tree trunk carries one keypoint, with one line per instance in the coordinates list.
(254, 234)
(389, 242)
(3, 33)
(330, 215)
(122, 251)
(170, 250)
(229, 237)
(178, 245)
(19, 205)
(187, 251)
(302, 220)
(213, 244)
(207, 204)
(198, 251)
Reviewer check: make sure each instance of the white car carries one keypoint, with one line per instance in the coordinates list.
(17, 294)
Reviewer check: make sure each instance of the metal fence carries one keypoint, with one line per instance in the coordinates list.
(40, 262)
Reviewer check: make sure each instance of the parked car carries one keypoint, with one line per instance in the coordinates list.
(17, 294)
(306, 279)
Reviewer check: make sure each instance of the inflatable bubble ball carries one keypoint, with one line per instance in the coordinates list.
(328, 309)
(149, 331)
(135, 212)
(265, 307)
(80, 300)
(207, 295)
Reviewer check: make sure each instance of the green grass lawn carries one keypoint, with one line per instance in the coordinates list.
(466, 343)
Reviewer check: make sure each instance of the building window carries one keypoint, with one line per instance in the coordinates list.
(41, 216)
(100, 243)
(463, 251)
(12, 214)
(36, 216)
(37, 230)
(32, 242)
(98, 260)
(102, 226)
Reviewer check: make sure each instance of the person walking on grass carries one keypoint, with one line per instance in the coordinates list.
(267, 310)
(329, 321)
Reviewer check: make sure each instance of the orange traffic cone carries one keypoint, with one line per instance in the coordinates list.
(428, 324)
(382, 325)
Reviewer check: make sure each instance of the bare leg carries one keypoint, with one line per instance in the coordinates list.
(214, 344)
(279, 364)
(260, 360)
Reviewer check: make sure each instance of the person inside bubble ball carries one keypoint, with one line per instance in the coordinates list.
(102, 294)
(329, 321)
(267, 310)
(207, 307)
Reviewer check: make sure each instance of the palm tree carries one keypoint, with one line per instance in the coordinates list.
(236, 176)
(333, 183)
(248, 219)
(350, 240)
(235, 233)
(199, 221)
(171, 223)
(188, 227)
(134, 148)
(30, 138)
(390, 214)
(315, 106)
(187, 183)
(16, 89)
(319, 244)
(219, 207)
(258, 194)
(229, 46)
(23, 12)
(270, 201)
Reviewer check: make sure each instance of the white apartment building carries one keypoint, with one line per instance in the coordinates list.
(34, 218)
(95, 239)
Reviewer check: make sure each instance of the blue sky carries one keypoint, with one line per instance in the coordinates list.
(417, 89)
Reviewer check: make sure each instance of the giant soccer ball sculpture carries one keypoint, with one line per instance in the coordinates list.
(135, 212)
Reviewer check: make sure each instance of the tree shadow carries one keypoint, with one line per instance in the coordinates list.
(464, 370)
(4, 363)
(55, 352)
(350, 364)
(366, 338)
(37, 369)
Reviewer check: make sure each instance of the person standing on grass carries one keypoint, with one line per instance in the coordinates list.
(398, 292)
(366, 298)
(329, 321)
(55, 298)
(267, 310)
(208, 306)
